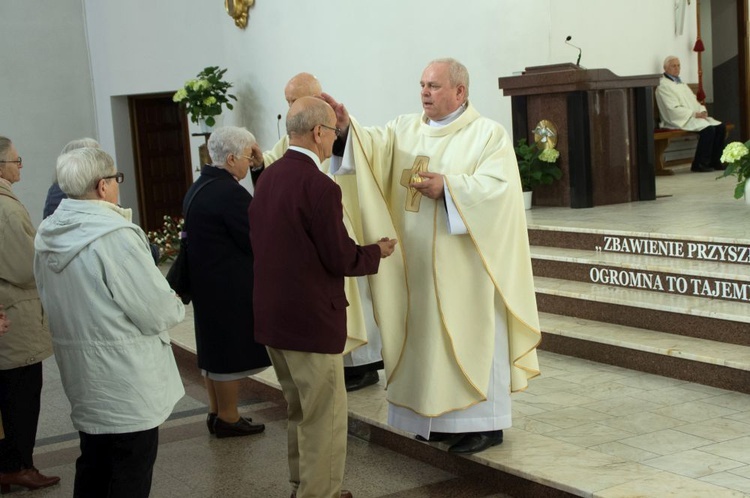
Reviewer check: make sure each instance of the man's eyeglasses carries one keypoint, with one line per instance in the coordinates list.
(17, 161)
(119, 177)
(337, 131)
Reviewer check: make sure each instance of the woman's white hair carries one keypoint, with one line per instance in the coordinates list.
(228, 140)
(80, 170)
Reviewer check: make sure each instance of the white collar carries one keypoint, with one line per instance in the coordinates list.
(312, 155)
(450, 117)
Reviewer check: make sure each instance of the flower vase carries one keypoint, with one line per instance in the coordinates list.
(747, 193)
(204, 127)
(527, 199)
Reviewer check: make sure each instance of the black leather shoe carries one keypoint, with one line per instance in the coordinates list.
(243, 427)
(211, 419)
(474, 442)
(360, 381)
(699, 168)
(436, 437)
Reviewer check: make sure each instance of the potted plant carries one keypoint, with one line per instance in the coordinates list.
(203, 96)
(536, 166)
(736, 156)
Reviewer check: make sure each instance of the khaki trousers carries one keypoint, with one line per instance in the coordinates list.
(313, 386)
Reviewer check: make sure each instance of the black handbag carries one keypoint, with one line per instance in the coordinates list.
(178, 275)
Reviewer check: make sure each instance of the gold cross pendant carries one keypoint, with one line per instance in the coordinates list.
(413, 196)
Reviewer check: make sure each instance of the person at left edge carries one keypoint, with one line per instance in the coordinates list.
(110, 310)
(22, 351)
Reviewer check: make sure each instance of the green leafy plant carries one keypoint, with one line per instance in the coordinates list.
(536, 166)
(204, 95)
(736, 156)
(167, 238)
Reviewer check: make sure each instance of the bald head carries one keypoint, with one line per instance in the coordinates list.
(311, 123)
(302, 85)
(305, 113)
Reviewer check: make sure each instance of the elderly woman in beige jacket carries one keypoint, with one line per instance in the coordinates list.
(23, 349)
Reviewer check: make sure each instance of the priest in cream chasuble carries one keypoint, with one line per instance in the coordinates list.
(458, 312)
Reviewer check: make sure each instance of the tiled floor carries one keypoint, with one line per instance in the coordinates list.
(192, 464)
(587, 428)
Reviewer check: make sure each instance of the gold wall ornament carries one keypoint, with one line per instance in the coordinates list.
(238, 10)
(545, 134)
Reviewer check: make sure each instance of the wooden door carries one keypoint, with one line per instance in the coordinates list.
(162, 157)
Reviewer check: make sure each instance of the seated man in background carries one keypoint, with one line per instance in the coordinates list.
(679, 108)
(109, 310)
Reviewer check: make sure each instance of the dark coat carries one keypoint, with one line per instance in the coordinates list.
(302, 254)
(55, 195)
(221, 271)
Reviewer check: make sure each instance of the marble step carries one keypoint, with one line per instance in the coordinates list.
(690, 267)
(718, 364)
(712, 319)
(649, 341)
(677, 246)
(707, 279)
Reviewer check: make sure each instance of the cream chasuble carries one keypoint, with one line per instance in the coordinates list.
(363, 344)
(436, 297)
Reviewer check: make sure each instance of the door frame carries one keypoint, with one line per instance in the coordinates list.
(743, 54)
(135, 138)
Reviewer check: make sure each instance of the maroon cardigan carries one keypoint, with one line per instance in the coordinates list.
(302, 254)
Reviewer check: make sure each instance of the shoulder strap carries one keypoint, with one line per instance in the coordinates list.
(192, 196)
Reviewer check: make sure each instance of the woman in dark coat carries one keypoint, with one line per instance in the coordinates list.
(220, 260)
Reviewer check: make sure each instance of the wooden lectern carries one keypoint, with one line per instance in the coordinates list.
(605, 126)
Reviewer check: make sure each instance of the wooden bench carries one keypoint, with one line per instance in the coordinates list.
(661, 141)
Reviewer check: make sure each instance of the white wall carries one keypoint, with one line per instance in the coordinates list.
(45, 89)
(369, 55)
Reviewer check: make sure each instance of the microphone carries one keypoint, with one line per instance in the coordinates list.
(278, 126)
(567, 41)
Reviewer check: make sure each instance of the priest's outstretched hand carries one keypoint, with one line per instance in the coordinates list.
(342, 115)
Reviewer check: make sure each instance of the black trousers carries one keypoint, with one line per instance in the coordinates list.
(20, 401)
(710, 146)
(116, 465)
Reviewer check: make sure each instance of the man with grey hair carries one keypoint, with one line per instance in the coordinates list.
(457, 309)
(109, 310)
(363, 358)
(302, 254)
(679, 108)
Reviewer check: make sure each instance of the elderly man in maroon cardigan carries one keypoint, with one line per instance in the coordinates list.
(302, 254)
